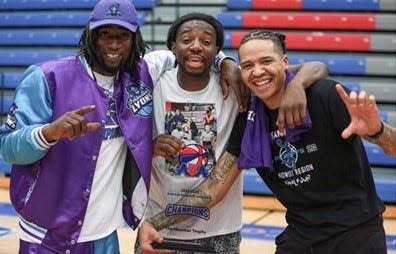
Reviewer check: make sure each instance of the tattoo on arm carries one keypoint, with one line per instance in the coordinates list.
(199, 196)
(162, 220)
(223, 168)
(387, 140)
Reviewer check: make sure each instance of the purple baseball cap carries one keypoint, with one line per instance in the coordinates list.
(114, 12)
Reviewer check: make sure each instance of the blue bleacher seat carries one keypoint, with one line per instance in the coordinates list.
(377, 156)
(49, 19)
(227, 39)
(239, 4)
(4, 167)
(346, 64)
(337, 63)
(11, 79)
(27, 18)
(64, 4)
(231, 19)
(6, 101)
(31, 56)
(384, 116)
(253, 184)
(385, 182)
(355, 5)
(51, 37)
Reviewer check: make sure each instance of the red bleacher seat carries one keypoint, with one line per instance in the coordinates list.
(358, 42)
(277, 4)
(309, 20)
(329, 42)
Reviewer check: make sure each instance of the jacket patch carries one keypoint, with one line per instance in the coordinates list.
(11, 120)
(140, 100)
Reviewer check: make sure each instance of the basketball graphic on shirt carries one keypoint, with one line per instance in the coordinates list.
(193, 159)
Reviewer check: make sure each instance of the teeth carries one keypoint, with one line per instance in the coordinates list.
(262, 82)
(113, 55)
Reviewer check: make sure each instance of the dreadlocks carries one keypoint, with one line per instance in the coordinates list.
(87, 49)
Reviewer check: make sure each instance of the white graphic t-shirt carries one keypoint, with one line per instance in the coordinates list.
(185, 115)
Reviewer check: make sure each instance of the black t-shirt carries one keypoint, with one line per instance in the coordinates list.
(323, 180)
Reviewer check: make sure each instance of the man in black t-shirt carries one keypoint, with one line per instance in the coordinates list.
(323, 180)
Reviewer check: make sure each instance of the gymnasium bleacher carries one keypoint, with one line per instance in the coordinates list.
(355, 38)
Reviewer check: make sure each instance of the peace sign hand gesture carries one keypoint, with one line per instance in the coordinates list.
(70, 125)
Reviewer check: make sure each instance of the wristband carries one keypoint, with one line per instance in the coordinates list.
(378, 134)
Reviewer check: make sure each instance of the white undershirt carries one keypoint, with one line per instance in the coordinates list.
(104, 212)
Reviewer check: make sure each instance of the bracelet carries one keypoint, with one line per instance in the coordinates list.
(378, 134)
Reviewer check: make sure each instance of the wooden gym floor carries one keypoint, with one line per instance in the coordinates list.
(263, 219)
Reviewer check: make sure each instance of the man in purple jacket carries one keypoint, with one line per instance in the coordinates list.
(79, 136)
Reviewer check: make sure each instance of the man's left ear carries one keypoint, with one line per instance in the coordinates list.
(173, 48)
(285, 62)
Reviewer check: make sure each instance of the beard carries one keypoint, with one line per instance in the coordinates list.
(113, 69)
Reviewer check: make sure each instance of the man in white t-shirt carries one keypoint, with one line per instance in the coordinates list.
(192, 194)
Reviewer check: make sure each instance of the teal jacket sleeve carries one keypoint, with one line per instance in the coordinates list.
(20, 136)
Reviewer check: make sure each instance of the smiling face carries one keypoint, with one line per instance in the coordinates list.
(113, 47)
(263, 67)
(195, 48)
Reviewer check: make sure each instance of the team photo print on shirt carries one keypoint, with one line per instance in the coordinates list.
(195, 125)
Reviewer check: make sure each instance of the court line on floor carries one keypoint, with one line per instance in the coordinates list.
(263, 232)
(249, 231)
